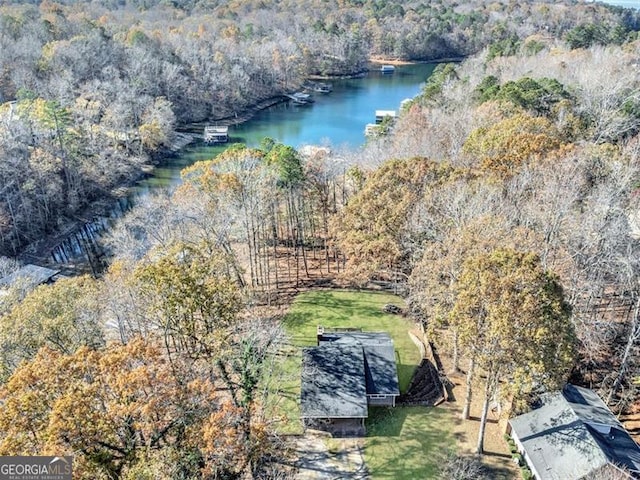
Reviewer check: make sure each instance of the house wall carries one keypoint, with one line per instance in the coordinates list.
(337, 427)
(381, 401)
(523, 452)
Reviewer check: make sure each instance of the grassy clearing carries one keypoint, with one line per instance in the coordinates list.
(336, 308)
(402, 442)
(406, 442)
(339, 308)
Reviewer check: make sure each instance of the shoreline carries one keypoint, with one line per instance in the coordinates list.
(41, 251)
(387, 61)
(244, 115)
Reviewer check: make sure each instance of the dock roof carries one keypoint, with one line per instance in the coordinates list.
(32, 274)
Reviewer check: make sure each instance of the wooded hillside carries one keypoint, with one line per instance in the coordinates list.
(542, 152)
(99, 87)
(503, 204)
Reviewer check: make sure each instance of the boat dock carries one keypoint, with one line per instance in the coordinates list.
(318, 87)
(300, 98)
(384, 121)
(382, 114)
(216, 134)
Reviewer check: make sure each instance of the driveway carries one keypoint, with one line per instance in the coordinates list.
(324, 458)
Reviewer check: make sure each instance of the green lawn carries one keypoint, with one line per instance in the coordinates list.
(340, 308)
(401, 442)
(406, 442)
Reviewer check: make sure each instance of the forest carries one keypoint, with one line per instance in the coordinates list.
(502, 205)
(92, 92)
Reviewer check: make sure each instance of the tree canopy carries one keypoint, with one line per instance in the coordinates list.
(513, 320)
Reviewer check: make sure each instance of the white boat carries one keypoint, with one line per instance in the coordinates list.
(300, 98)
(387, 69)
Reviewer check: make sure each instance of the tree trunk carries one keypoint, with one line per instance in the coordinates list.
(456, 352)
(483, 417)
(467, 398)
(634, 334)
(301, 234)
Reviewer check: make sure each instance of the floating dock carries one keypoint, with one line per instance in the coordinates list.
(384, 120)
(216, 134)
(319, 87)
(371, 129)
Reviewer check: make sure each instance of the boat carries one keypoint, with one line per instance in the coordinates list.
(322, 88)
(300, 98)
(387, 69)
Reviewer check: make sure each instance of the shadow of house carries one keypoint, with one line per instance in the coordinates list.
(346, 373)
(572, 435)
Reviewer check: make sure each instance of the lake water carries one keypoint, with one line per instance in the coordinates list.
(624, 3)
(336, 119)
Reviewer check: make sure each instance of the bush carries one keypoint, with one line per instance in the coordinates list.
(462, 467)
(526, 473)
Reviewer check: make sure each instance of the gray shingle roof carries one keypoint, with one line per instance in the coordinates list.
(32, 274)
(333, 382)
(379, 356)
(338, 374)
(573, 434)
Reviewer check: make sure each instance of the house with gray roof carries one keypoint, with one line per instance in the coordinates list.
(572, 435)
(31, 276)
(347, 371)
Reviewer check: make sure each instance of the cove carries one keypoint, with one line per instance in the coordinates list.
(335, 119)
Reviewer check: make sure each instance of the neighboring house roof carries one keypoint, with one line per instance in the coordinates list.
(32, 274)
(342, 370)
(572, 435)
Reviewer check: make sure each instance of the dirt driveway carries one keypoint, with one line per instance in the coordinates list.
(329, 459)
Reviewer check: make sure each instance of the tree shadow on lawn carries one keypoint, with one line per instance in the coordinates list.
(406, 442)
(386, 421)
(300, 321)
(336, 306)
(330, 300)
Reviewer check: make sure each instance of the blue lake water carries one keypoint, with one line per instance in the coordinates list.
(624, 3)
(336, 119)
